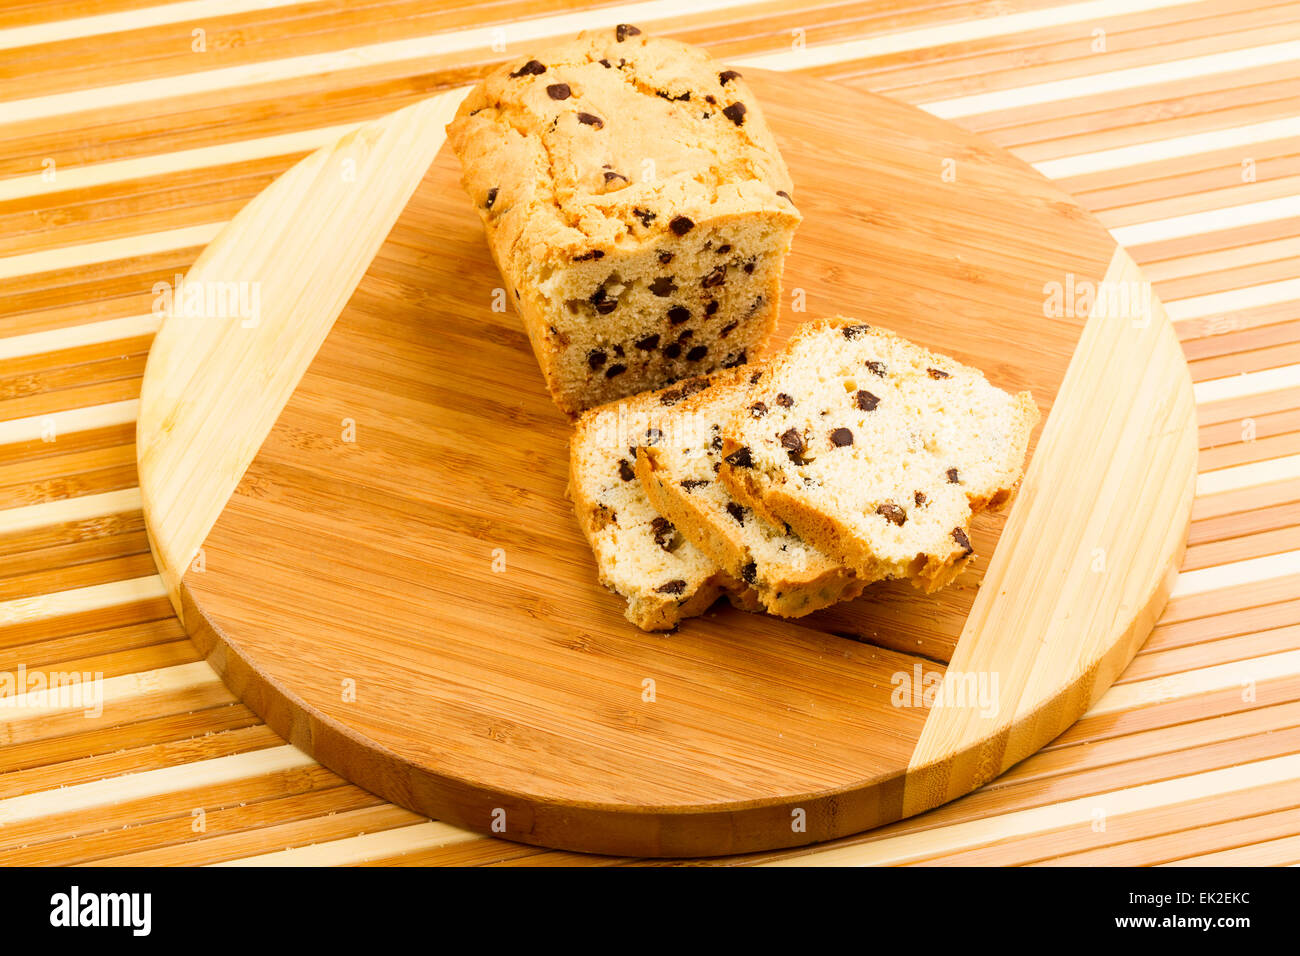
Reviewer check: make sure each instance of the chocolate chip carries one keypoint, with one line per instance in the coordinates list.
(740, 458)
(749, 573)
(727, 75)
(531, 68)
(953, 477)
(727, 329)
(649, 343)
(892, 513)
(792, 441)
(678, 314)
(697, 353)
(710, 99)
(596, 358)
(715, 278)
(753, 379)
(877, 367)
(663, 286)
(645, 215)
(784, 195)
(665, 534)
(784, 400)
(712, 307)
(664, 94)
(936, 374)
(491, 197)
(736, 512)
(959, 536)
(652, 436)
(749, 268)
(618, 350)
(723, 249)
(559, 91)
(625, 470)
(690, 484)
(758, 409)
(672, 351)
(672, 587)
(606, 306)
(688, 334)
(735, 359)
(605, 63)
(671, 397)
(866, 401)
(841, 437)
(610, 176)
(665, 258)
(855, 331)
(920, 498)
(615, 369)
(587, 256)
(681, 225)
(587, 119)
(625, 30)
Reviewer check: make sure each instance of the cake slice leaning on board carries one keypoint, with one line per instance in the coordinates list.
(789, 577)
(876, 450)
(639, 553)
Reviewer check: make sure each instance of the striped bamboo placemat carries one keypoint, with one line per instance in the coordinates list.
(131, 132)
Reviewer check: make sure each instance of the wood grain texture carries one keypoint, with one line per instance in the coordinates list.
(1177, 131)
(417, 445)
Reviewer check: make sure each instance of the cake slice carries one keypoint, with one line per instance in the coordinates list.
(636, 205)
(790, 578)
(639, 553)
(876, 450)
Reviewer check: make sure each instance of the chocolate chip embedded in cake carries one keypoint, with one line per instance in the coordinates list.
(640, 554)
(884, 480)
(790, 577)
(619, 210)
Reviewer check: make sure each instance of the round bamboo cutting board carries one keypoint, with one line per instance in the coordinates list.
(355, 489)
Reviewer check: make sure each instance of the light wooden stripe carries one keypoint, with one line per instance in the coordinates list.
(152, 783)
(72, 178)
(1250, 383)
(80, 508)
(1247, 476)
(972, 833)
(1173, 147)
(1284, 851)
(1218, 303)
(68, 421)
(990, 22)
(1211, 220)
(183, 407)
(77, 336)
(1194, 683)
(1098, 84)
(1237, 573)
(109, 250)
(78, 600)
(368, 846)
(57, 31)
(34, 705)
(356, 58)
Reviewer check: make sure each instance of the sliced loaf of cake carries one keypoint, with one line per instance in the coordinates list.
(876, 450)
(639, 553)
(790, 578)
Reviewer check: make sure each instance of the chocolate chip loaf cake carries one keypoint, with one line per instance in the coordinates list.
(636, 205)
(639, 554)
(790, 578)
(876, 450)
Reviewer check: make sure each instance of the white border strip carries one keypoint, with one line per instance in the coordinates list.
(1248, 475)
(79, 600)
(1234, 300)
(367, 846)
(76, 336)
(1247, 383)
